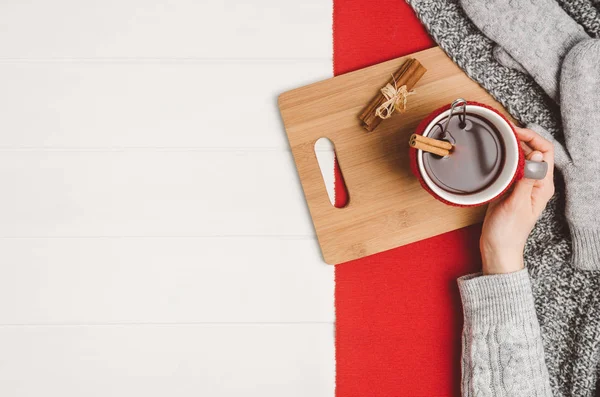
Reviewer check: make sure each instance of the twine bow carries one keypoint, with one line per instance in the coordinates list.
(396, 98)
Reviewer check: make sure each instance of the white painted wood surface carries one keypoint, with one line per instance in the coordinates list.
(167, 360)
(148, 103)
(153, 235)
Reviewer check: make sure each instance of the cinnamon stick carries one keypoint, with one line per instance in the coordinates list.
(429, 148)
(408, 74)
(432, 142)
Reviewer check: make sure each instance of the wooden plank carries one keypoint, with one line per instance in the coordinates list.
(157, 360)
(164, 280)
(131, 29)
(89, 79)
(387, 206)
(160, 104)
(150, 193)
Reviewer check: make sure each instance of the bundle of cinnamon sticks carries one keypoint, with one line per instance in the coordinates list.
(408, 75)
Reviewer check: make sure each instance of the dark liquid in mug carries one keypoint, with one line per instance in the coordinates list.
(477, 158)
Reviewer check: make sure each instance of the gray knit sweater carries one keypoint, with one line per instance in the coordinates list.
(567, 301)
(502, 346)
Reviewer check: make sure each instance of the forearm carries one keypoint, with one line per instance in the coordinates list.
(502, 347)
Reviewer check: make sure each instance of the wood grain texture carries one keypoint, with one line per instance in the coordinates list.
(133, 280)
(158, 104)
(387, 207)
(157, 360)
(150, 193)
(158, 263)
(152, 29)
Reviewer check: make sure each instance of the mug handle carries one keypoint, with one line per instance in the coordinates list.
(535, 169)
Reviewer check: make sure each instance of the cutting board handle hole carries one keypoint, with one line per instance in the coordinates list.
(331, 172)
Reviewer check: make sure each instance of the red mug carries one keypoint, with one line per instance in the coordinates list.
(514, 166)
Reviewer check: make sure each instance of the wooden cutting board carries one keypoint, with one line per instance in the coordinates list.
(387, 207)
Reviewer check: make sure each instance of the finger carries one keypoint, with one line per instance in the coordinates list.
(524, 187)
(523, 190)
(542, 189)
(536, 142)
(536, 156)
(526, 149)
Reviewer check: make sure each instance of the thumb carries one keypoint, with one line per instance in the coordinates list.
(524, 187)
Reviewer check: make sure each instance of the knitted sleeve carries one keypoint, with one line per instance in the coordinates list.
(502, 348)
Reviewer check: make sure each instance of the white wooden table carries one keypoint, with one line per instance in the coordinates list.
(154, 240)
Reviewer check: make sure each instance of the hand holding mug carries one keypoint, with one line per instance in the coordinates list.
(510, 218)
(486, 159)
(485, 163)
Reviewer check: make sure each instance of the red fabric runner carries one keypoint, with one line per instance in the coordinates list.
(398, 314)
